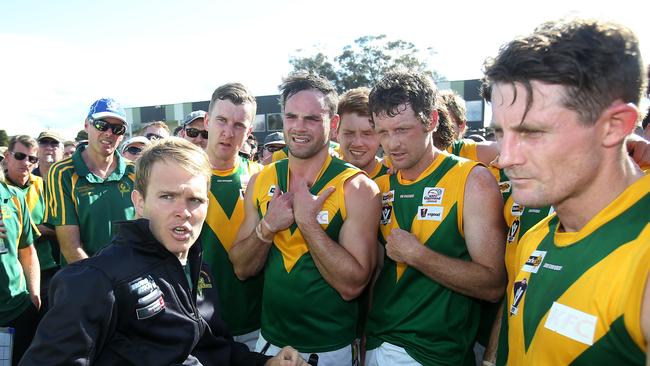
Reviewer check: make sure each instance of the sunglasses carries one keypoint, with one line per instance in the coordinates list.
(273, 148)
(133, 150)
(102, 126)
(21, 156)
(153, 136)
(49, 142)
(194, 132)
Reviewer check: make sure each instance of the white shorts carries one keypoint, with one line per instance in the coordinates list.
(249, 339)
(339, 357)
(389, 355)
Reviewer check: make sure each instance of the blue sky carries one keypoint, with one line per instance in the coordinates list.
(58, 57)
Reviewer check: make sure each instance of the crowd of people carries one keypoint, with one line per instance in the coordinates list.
(370, 231)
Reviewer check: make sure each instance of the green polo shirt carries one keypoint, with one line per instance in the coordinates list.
(76, 196)
(14, 297)
(35, 198)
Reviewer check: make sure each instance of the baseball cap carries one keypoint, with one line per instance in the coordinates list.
(107, 107)
(133, 140)
(192, 116)
(275, 138)
(49, 135)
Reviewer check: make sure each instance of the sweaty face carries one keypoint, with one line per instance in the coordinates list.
(406, 141)
(103, 143)
(550, 156)
(306, 123)
(228, 127)
(176, 205)
(358, 140)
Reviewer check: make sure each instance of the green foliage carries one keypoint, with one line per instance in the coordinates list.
(366, 61)
(4, 138)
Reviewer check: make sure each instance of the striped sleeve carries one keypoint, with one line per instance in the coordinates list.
(61, 209)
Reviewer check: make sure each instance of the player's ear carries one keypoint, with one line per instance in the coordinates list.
(618, 121)
(138, 202)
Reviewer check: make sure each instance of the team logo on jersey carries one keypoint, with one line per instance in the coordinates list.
(516, 209)
(271, 191)
(432, 195)
(388, 196)
(514, 229)
(123, 188)
(518, 291)
(505, 187)
(534, 261)
(429, 213)
(204, 282)
(385, 214)
(6, 211)
(323, 217)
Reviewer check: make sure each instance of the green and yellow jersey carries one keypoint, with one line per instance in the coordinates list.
(76, 196)
(35, 197)
(299, 308)
(576, 297)
(240, 301)
(14, 298)
(435, 324)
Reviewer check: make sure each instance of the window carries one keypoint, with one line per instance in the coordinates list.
(274, 122)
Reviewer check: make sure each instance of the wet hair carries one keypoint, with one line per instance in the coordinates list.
(598, 62)
(301, 81)
(398, 89)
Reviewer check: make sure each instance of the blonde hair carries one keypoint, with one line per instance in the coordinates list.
(173, 149)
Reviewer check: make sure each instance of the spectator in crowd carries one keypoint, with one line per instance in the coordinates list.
(135, 302)
(194, 128)
(356, 133)
(20, 288)
(311, 227)
(229, 121)
(69, 147)
(50, 150)
(155, 130)
(90, 191)
(132, 148)
(564, 100)
(272, 142)
(443, 233)
(21, 158)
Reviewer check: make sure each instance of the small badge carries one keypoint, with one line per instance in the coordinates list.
(518, 291)
(514, 229)
(534, 261)
(432, 196)
(505, 187)
(271, 191)
(323, 218)
(516, 209)
(387, 197)
(572, 323)
(385, 214)
(430, 213)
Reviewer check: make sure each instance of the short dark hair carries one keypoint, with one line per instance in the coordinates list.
(27, 141)
(301, 80)
(598, 62)
(399, 88)
(236, 93)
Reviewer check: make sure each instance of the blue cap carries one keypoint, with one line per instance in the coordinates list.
(107, 107)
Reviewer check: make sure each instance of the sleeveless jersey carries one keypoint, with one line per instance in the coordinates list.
(577, 296)
(434, 324)
(240, 301)
(465, 148)
(299, 308)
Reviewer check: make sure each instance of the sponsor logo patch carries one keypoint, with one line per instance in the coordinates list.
(534, 261)
(516, 209)
(387, 197)
(430, 213)
(271, 191)
(149, 298)
(432, 196)
(572, 323)
(505, 187)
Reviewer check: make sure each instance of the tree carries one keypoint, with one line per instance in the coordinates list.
(4, 138)
(365, 62)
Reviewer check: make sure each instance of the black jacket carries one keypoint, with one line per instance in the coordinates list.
(131, 304)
